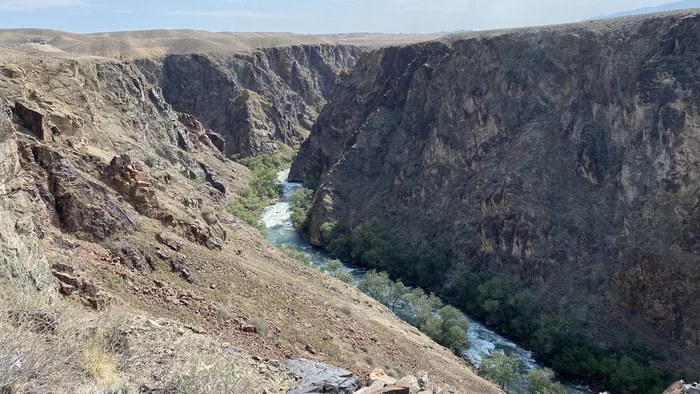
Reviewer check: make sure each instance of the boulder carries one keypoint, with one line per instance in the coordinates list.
(391, 390)
(372, 388)
(132, 181)
(378, 375)
(423, 381)
(317, 377)
(171, 240)
(33, 120)
(410, 382)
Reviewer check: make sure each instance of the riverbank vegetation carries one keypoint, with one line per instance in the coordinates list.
(295, 254)
(444, 324)
(335, 269)
(302, 199)
(541, 381)
(263, 187)
(500, 369)
(557, 339)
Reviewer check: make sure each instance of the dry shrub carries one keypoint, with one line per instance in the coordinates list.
(210, 374)
(260, 326)
(60, 350)
(347, 311)
(99, 364)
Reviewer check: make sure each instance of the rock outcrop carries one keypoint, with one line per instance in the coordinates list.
(565, 158)
(259, 100)
(23, 266)
(132, 181)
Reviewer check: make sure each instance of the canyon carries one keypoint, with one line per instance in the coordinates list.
(117, 181)
(559, 160)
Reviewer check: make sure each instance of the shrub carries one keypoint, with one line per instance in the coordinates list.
(500, 369)
(423, 305)
(276, 161)
(397, 297)
(263, 187)
(295, 254)
(335, 269)
(449, 328)
(541, 381)
(302, 200)
(329, 230)
(376, 285)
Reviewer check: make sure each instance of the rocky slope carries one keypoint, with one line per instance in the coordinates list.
(113, 200)
(563, 157)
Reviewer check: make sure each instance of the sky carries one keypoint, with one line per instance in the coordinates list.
(304, 16)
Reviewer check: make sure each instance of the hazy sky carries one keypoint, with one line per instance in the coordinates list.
(303, 16)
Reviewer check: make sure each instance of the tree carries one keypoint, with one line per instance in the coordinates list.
(376, 285)
(500, 369)
(449, 328)
(301, 199)
(396, 297)
(423, 305)
(335, 269)
(541, 381)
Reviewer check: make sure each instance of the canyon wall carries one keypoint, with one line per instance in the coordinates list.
(564, 158)
(257, 100)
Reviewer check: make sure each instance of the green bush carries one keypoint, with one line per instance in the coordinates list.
(500, 369)
(263, 187)
(302, 200)
(277, 160)
(449, 328)
(541, 381)
(335, 269)
(376, 285)
(423, 305)
(328, 231)
(295, 254)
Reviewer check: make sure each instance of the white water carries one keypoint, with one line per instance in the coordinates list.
(483, 340)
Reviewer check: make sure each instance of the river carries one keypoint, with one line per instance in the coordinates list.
(483, 340)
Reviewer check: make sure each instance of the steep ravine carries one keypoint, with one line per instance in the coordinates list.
(564, 159)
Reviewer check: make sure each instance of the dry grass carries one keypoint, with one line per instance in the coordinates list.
(99, 363)
(56, 348)
(66, 349)
(209, 374)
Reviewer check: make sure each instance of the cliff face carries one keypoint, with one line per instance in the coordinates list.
(564, 157)
(21, 256)
(260, 99)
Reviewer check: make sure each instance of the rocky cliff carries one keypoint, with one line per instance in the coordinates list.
(565, 158)
(255, 100)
